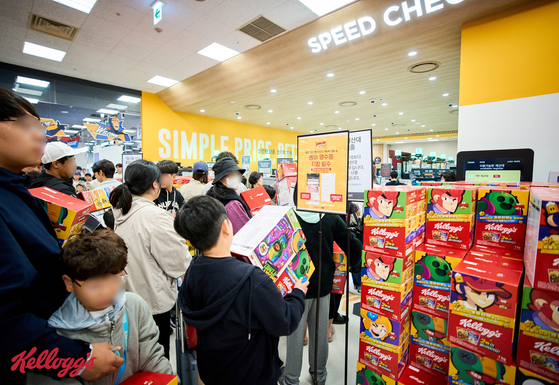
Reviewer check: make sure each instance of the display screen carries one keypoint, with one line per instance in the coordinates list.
(494, 169)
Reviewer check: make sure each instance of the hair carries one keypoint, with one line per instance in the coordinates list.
(394, 174)
(106, 166)
(227, 154)
(199, 221)
(140, 176)
(455, 193)
(31, 176)
(254, 177)
(168, 167)
(13, 106)
(79, 168)
(389, 195)
(88, 255)
(61, 160)
(449, 176)
(109, 219)
(118, 165)
(87, 174)
(201, 177)
(370, 259)
(244, 180)
(367, 321)
(271, 191)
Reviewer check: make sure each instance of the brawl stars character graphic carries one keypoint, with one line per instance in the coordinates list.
(277, 248)
(546, 309)
(549, 226)
(433, 268)
(381, 203)
(376, 327)
(445, 201)
(499, 203)
(432, 329)
(473, 369)
(369, 377)
(379, 267)
(478, 294)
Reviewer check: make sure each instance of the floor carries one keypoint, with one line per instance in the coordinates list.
(336, 365)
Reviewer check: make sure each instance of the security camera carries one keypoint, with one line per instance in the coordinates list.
(393, 123)
(450, 104)
(381, 99)
(409, 129)
(373, 100)
(237, 113)
(287, 124)
(374, 115)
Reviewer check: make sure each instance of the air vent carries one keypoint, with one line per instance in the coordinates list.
(51, 27)
(347, 104)
(262, 29)
(428, 66)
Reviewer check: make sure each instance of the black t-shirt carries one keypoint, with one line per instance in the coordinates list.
(170, 201)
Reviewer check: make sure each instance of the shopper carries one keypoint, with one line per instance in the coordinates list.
(169, 199)
(226, 183)
(157, 254)
(104, 171)
(60, 164)
(80, 187)
(77, 178)
(271, 192)
(255, 179)
(118, 174)
(394, 181)
(334, 229)
(198, 182)
(375, 180)
(238, 312)
(226, 154)
(30, 283)
(448, 176)
(95, 266)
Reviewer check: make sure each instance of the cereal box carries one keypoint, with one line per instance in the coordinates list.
(300, 267)
(469, 368)
(366, 376)
(527, 377)
(287, 170)
(390, 363)
(413, 376)
(379, 330)
(340, 260)
(98, 198)
(387, 303)
(504, 253)
(493, 259)
(142, 378)
(429, 329)
(539, 356)
(539, 316)
(385, 271)
(256, 198)
(430, 358)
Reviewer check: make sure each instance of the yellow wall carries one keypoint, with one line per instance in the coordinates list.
(188, 138)
(511, 55)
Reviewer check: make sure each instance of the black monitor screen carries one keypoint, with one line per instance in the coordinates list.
(496, 166)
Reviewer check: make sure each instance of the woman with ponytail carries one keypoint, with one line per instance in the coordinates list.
(157, 255)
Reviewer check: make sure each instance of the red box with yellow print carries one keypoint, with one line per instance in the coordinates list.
(389, 362)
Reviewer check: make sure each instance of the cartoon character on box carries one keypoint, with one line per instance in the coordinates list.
(381, 203)
(499, 203)
(379, 267)
(445, 201)
(376, 327)
(475, 369)
(277, 248)
(432, 329)
(549, 228)
(546, 309)
(478, 294)
(57, 215)
(433, 268)
(367, 376)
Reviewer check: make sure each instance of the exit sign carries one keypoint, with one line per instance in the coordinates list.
(157, 12)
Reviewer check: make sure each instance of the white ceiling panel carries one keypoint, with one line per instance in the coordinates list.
(89, 54)
(291, 14)
(9, 55)
(93, 39)
(203, 6)
(238, 41)
(233, 13)
(263, 6)
(117, 12)
(13, 35)
(210, 28)
(106, 28)
(131, 50)
(162, 61)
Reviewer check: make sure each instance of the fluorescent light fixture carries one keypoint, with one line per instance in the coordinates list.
(386, 129)
(71, 131)
(63, 112)
(27, 91)
(32, 82)
(105, 111)
(413, 120)
(309, 103)
(433, 140)
(273, 90)
(433, 78)
(322, 7)
(91, 120)
(42, 51)
(32, 100)
(454, 106)
(397, 133)
(445, 94)
(431, 129)
(129, 99)
(311, 132)
(373, 124)
(78, 126)
(362, 92)
(117, 106)
(412, 53)
(81, 5)
(356, 118)
(330, 75)
(162, 81)
(423, 125)
(399, 142)
(218, 52)
(202, 110)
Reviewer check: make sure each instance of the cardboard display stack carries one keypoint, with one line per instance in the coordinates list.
(180, 181)
(273, 241)
(286, 179)
(538, 338)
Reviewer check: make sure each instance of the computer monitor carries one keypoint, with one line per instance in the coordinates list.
(495, 165)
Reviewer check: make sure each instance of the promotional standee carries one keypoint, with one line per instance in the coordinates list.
(360, 177)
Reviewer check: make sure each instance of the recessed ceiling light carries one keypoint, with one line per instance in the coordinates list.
(384, 104)
(309, 103)
(356, 118)
(336, 112)
(202, 110)
(397, 133)
(373, 124)
(238, 117)
(270, 110)
(398, 142)
(401, 113)
(339, 128)
(413, 120)
(162, 81)
(322, 7)
(423, 125)
(386, 129)
(273, 90)
(267, 122)
(81, 5)
(32, 82)
(117, 106)
(454, 106)
(362, 92)
(330, 75)
(32, 100)
(63, 112)
(322, 124)
(311, 132)
(106, 111)
(431, 129)
(298, 117)
(42, 51)
(129, 99)
(445, 94)
(91, 120)
(433, 78)
(412, 53)
(78, 126)
(292, 128)
(218, 52)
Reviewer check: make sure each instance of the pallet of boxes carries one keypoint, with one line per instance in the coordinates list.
(394, 225)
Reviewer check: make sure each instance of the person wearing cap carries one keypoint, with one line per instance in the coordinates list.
(60, 165)
(198, 182)
(30, 279)
(227, 180)
(226, 154)
(478, 294)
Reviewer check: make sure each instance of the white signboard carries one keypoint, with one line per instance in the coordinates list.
(126, 160)
(360, 176)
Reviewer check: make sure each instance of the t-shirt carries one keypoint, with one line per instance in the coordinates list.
(101, 313)
(170, 201)
(110, 183)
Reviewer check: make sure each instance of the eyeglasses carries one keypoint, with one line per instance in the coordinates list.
(27, 124)
(96, 286)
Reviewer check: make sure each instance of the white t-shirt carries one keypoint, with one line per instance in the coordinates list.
(101, 313)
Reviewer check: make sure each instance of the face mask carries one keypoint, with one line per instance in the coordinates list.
(233, 182)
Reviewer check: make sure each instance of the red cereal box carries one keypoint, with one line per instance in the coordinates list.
(459, 235)
(504, 253)
(429, 329)
(527, 377)
(492, 259)
(385, 271)
(366, 376)
(430, 358)
(539, 356)
(392, 304)
(256, 198)
(390, 363)
(382, 331)
(413, 376)
(287, 170)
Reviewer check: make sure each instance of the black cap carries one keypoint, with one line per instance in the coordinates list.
(223, 167)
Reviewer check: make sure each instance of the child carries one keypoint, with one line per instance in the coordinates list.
(237, 310)
(170, 199)
(98, 309)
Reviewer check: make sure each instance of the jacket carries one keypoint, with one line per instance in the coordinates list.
(31, 285)
(334, 229)
(157, 255)
(237, 210)
(239, 315)
(192, 189)
(143, 352)
(65, 186)
(169, 201)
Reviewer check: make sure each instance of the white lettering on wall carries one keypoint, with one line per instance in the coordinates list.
(204, 143)
(164, 135)
(188, 152)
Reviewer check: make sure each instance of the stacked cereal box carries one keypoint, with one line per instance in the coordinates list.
(286, 180)
(451, 216)
(501, 217)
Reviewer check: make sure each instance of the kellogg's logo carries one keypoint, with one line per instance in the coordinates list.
(417, 379)
(48, 360)
(547, 347)
(448, 227)
(377, 352)
(381, 294)
(435, 294)
(478, 326)
(431, 354)
(383, 232)
(501, 228)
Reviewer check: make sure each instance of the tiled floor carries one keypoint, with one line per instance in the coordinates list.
(336, 365)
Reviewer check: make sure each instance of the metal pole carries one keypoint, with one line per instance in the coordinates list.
(348, 258)
(315, 375)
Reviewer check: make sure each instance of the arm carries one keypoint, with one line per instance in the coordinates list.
(167, 247)
(340, 237)
(279, 315)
